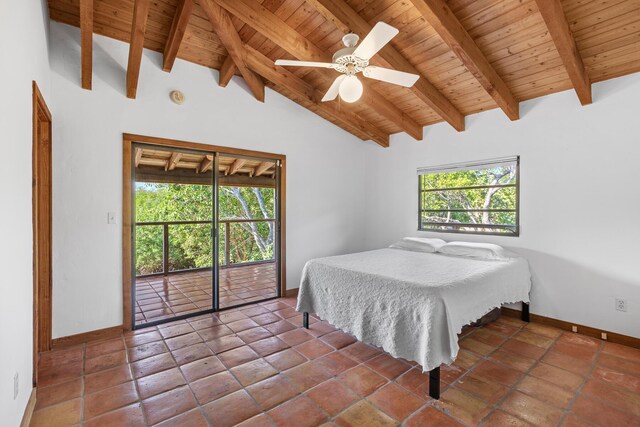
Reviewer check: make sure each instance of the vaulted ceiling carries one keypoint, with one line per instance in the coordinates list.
(471, 55)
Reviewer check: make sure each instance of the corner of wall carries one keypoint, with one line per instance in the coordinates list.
(24, 40)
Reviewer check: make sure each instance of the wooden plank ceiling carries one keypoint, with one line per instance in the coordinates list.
(166, 166)
(471, 55)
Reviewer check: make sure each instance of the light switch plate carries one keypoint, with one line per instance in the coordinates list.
(111, 217)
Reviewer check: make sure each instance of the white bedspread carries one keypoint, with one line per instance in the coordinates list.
(411, 304)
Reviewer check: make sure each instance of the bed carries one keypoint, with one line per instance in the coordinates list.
(412, 304)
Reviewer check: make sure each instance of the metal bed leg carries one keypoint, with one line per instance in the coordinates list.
(434, 383)
(525, 311)
(305, 320)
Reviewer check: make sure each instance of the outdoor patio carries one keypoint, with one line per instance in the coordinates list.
(161, 297)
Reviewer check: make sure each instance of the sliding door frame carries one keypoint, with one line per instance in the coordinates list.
(127, 206)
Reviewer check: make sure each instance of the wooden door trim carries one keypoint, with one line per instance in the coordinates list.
(42, 298)
(127, 183)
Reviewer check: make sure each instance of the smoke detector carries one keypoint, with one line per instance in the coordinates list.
(177, 97)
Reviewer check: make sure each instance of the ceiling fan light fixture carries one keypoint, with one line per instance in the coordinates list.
(350, 40)
(353, 59)
(350, 89)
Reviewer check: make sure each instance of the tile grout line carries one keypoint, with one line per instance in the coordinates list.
(432, 402)
(565, 410)
(332, 377)
(513, 388)
(486, 358)
(359, 363)
(286, 377)
(135, 382)
(363, 364)
(279, 372)
(587, 377)
(163, 339)
(482, 358)
(187, 382)
(109, 369)
(201, 406)
(428, 402)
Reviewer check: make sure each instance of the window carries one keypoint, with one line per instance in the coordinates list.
(479, 197)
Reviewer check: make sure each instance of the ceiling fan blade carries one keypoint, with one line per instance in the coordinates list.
(292, 63)
(380, 35)
(332, 93)
(390, 76)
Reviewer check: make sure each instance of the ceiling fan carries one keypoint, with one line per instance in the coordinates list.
(351, 60)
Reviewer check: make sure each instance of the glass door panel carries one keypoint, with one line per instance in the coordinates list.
(173, 240)
(206, 232)
(248, 230)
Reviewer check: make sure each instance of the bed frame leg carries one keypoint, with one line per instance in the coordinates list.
(525, 311)
(305, 320)
(434, 383)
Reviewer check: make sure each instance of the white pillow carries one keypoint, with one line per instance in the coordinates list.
(477, 250)
(418, 244)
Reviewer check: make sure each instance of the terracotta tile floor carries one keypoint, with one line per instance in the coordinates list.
(255, 366)
(162, 297)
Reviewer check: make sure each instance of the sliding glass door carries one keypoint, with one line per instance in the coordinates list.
(205, 232)
(248, 223)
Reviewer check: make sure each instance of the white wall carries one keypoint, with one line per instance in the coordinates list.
(580, 196)
(325, 182)
(570, 155)
(24, 57)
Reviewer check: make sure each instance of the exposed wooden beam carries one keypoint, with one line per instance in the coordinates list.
(235, 166)
(229, 37)
(136, 44)
(445, 23)
(228, 68)
(173, 161)
(138, 156)
(246, 181)
(554, 17)
(302, 91)
(346, 19)
(262, 168)
(344, 117)
(226, 72)
(205, 165)
(176, 33)
(86, 42)
(272, 27)
(185, 176)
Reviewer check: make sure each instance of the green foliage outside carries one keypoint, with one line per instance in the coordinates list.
(190, 245)
(475, 206)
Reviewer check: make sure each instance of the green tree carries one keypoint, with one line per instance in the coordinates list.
(457, 202)
(190, 245)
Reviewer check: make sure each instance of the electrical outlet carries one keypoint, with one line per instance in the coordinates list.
(16, 385)
(111, 217)
(603, 335)
(621, 304)
(574, 328)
